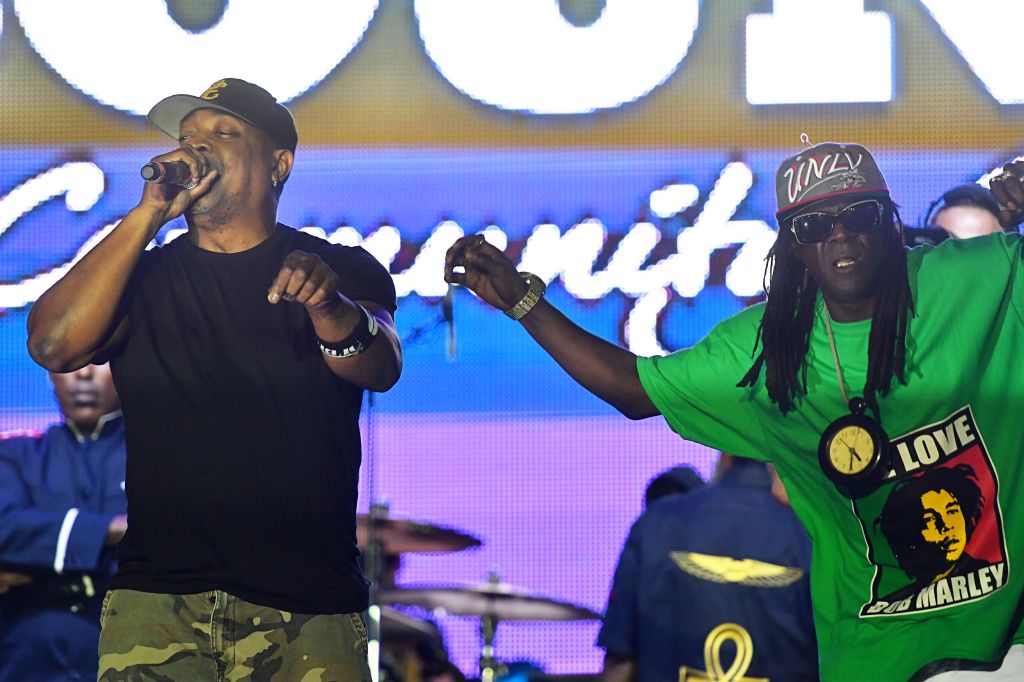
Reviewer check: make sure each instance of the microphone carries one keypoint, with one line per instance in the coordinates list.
(448, 315)
(169, 173)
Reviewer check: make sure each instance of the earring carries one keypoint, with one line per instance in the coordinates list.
(273, 182)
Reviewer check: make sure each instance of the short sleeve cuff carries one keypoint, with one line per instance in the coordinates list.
(656, 387)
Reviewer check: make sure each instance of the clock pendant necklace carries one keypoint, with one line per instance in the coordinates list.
(854, 449)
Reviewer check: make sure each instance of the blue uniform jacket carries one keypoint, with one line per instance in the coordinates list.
(699, 564)
(58, 493)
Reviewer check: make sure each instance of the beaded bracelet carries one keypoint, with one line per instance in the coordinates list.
(356, 342)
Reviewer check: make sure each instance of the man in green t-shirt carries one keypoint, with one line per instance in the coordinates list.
(870, 376)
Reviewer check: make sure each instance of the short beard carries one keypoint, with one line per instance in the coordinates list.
(219, 213)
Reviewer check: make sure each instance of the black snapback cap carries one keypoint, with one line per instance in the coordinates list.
(247, 101)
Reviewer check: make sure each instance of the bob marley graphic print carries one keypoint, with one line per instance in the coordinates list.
(934, 530)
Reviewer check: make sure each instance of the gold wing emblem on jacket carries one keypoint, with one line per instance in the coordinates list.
(723, 569)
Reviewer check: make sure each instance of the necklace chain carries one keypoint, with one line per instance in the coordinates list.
(835, 355)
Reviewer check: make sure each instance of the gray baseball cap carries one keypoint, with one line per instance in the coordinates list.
(826, 170)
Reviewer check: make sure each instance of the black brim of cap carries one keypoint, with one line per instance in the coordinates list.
(167, 114)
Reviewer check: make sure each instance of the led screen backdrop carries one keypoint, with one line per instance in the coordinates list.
(624, 150)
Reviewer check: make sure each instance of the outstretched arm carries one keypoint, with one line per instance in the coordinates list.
(304, 278)
(81, 314)
(604, 369)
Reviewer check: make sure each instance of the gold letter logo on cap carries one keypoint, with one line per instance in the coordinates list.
(211, 92)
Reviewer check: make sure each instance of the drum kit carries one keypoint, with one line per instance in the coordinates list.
(404, 648)
(412, 649)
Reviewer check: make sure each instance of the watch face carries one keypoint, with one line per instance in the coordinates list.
(851, 450)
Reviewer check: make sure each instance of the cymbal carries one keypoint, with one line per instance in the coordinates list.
(500, 600)
(397, 536)
(398, 626)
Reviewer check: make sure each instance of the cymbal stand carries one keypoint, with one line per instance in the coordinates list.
(488, 663)
(490, 668)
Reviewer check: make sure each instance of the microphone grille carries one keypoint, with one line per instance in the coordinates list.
(151, 171)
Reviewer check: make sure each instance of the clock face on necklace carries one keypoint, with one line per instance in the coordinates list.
(851, 449)
(854, 454)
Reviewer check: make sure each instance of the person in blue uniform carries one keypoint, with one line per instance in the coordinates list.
(713, 582)
(62, 511)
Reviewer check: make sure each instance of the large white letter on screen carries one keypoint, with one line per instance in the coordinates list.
(818, 51)
(130, 54)
(983, 33)
(523, 55)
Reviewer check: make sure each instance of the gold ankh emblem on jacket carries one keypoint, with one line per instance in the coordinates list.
(737, 671)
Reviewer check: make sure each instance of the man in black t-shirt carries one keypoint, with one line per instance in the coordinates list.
(240, 352)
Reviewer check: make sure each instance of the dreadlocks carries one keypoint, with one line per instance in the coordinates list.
(785, 331)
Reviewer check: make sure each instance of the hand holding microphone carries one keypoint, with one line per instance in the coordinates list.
(169, 173)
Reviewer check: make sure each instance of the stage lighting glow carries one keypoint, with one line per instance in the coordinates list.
(809, 51)
(641, 330)
(81, 183)
(25, 292)
(89, 47)
(981, 49)
(745, 275)
(383, 243)
(581, 246)
(712, 230)
(496, 237)
(548, 252)
(625, 267)
(671, 200)
(346, 235)
(426, 274)
(523, 55)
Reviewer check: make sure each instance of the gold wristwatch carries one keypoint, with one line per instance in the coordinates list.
(530, 298)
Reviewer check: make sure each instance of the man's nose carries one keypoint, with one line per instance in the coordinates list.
(839, 231)
(197, 142)
(85, 373)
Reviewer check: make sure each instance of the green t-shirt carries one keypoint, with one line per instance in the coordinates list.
(954, 508)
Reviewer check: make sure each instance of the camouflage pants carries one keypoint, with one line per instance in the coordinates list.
(216, 636)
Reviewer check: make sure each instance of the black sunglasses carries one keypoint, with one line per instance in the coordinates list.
(858, 218)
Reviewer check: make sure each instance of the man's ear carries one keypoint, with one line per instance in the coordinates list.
(284, 159)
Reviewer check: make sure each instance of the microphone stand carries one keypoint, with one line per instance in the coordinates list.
(378, 510)
(372, 563)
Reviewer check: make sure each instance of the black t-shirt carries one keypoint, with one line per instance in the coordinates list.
(243, 446)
